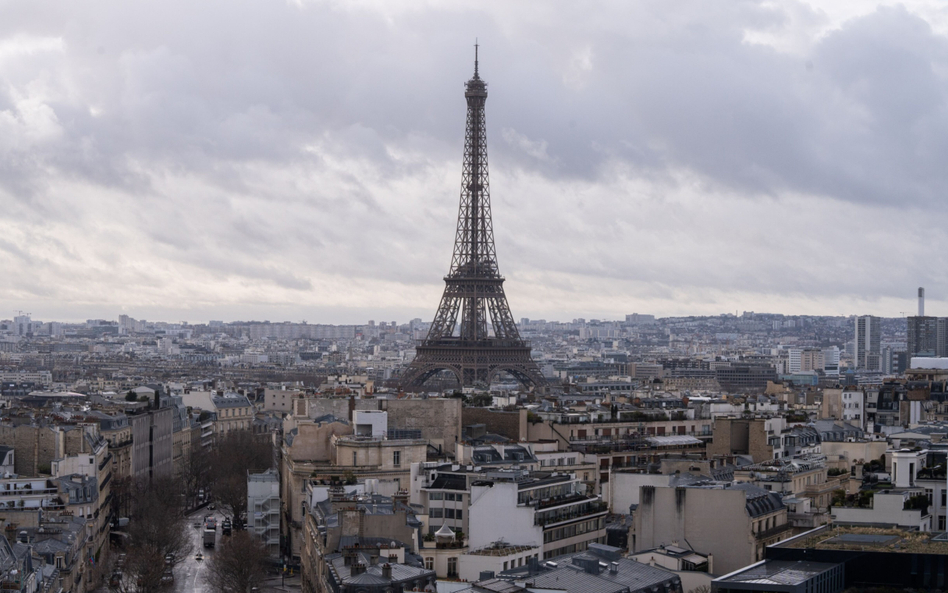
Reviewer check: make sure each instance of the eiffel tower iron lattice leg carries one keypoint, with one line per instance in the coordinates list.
(458, 339)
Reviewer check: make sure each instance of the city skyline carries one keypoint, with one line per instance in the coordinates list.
(299, 161)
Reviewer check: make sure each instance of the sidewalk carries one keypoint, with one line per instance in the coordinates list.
(273, 584)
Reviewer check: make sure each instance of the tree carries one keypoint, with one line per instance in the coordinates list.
(239, 566)
(197, 471)
(158, 536)
(121, 496)
(481, 400)
(131, 396)
(236, 453)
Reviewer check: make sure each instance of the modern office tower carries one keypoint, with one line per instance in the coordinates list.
(922, 334)
(831, 360)
(868, 343)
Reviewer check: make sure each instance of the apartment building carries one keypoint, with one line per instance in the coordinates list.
(263, 509)
(734, 523)
(544, 509)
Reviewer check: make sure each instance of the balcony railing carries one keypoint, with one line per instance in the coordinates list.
(570, 513)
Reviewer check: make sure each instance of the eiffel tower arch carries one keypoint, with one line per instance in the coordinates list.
(459, 340)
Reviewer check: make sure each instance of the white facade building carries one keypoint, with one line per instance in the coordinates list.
(263, 508)
(853, 408)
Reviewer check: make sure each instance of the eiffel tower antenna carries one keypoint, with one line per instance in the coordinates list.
(475, 58)
(459, 340)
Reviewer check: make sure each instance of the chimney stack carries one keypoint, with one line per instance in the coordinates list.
(921, 302)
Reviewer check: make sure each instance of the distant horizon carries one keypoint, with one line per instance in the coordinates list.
(404, 320)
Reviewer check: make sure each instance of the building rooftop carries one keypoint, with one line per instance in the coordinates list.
(600, 569)
(777, 573)
(500, 549)
(874, 539)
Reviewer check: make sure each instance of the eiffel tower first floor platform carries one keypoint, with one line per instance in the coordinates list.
(472, 362)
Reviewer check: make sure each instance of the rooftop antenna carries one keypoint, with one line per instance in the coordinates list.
(475, 57)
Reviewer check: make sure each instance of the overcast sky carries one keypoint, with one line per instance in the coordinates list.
(300, 160)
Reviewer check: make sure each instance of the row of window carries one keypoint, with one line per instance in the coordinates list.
(558, 461)
(437, 513)
(446, 496)
(518, 562)
(572, 530)
(580, 547)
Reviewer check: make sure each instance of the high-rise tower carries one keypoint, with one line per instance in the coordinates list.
(474, 288)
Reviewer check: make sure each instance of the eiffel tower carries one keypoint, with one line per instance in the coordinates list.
(474, 287)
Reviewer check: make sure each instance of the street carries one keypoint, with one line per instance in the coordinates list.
(189, 575)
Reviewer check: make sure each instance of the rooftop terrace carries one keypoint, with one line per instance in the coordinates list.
(869, 539)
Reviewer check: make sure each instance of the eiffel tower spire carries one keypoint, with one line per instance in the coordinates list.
(474, 288)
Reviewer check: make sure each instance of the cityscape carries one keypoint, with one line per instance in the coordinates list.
(403, 442)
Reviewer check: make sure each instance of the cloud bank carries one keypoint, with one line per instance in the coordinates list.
(301, 160)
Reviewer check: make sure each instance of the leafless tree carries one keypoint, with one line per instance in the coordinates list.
(239, 566)
(197, 471)
(158, 526)
(237, 452)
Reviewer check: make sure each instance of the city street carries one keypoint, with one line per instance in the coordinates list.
(189, 575)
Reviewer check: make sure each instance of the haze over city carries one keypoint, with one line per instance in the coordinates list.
(301, 160)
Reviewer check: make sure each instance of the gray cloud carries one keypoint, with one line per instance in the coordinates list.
(307, 157)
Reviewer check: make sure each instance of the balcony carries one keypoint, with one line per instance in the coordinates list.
(105, 461)
(774, 532)
(570, 512)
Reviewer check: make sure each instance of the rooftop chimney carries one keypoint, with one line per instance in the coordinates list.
(921, 302)
(387, 571)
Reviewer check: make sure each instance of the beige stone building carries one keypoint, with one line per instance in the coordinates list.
(117, 430)
(234, 412)
(741, 436)
(732, 523)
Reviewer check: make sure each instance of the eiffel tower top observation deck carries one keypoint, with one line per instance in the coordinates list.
(473, 287)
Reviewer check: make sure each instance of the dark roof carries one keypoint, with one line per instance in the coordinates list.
(590, 572)
(446, 481)
(759, 501)
(778, 572)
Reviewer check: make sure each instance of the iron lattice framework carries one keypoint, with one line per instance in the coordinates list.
(474, 288)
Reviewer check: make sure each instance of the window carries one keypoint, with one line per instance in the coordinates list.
(355, 458)
(448, 513)
(437, 513)
(396, 458)
(452, 566)
(449, 496)
(429, 563)
(436, 496)
(457, 514)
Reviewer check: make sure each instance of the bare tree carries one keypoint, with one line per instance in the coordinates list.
(159, 526)
(239, 566)
(238, 452)
(144, 567)
(121, 496)
(197, 471)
